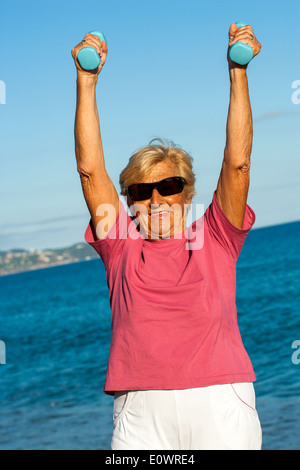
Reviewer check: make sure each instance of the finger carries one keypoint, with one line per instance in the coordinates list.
(246, 28)
(240, 31)
(104, 47)
(92, 41)
(232, 30)
(247, 33)
(93, 37)
(243, 37)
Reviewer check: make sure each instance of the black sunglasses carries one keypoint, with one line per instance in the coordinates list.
(166, 187)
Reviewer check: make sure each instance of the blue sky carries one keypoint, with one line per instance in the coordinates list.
(166, 75)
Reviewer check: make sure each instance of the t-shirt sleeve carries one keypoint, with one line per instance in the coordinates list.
(109, 247)
(230, 237)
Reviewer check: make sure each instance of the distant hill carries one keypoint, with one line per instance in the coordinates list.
(19, 260)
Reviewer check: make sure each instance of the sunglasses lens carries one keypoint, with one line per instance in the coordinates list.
(166, 187)
(170, 186)
(140, 192)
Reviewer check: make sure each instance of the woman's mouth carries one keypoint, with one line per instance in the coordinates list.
(159, 215)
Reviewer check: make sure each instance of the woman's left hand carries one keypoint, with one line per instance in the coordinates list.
(244, 34)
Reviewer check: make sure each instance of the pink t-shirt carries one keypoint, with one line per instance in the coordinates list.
(173, 304)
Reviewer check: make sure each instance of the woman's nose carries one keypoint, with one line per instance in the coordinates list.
(156, 198)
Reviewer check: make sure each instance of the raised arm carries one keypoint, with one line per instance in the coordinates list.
(233, 184)
(98, 188)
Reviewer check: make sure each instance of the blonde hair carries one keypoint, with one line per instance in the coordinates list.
(144, 160)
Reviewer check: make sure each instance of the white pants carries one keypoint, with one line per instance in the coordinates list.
(219, 417)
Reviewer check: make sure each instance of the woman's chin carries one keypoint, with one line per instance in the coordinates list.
(156, 233)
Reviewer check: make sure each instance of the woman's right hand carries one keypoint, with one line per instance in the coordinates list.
(100, 46)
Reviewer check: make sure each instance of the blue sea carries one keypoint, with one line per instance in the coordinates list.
(55, 323)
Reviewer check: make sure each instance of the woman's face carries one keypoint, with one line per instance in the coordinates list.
(161, 216)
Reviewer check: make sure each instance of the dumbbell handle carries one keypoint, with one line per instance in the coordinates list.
(88, 57)
(240, 52)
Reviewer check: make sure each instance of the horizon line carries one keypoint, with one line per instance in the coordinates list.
(83, 242)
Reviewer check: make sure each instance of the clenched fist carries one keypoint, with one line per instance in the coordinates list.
(246, 35)
(100, 46)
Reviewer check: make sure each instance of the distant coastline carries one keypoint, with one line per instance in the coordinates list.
(20, 260)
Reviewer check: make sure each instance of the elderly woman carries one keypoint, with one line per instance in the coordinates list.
(177, 368)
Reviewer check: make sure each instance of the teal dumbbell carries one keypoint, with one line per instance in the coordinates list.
(240, 52)
(88, 57)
